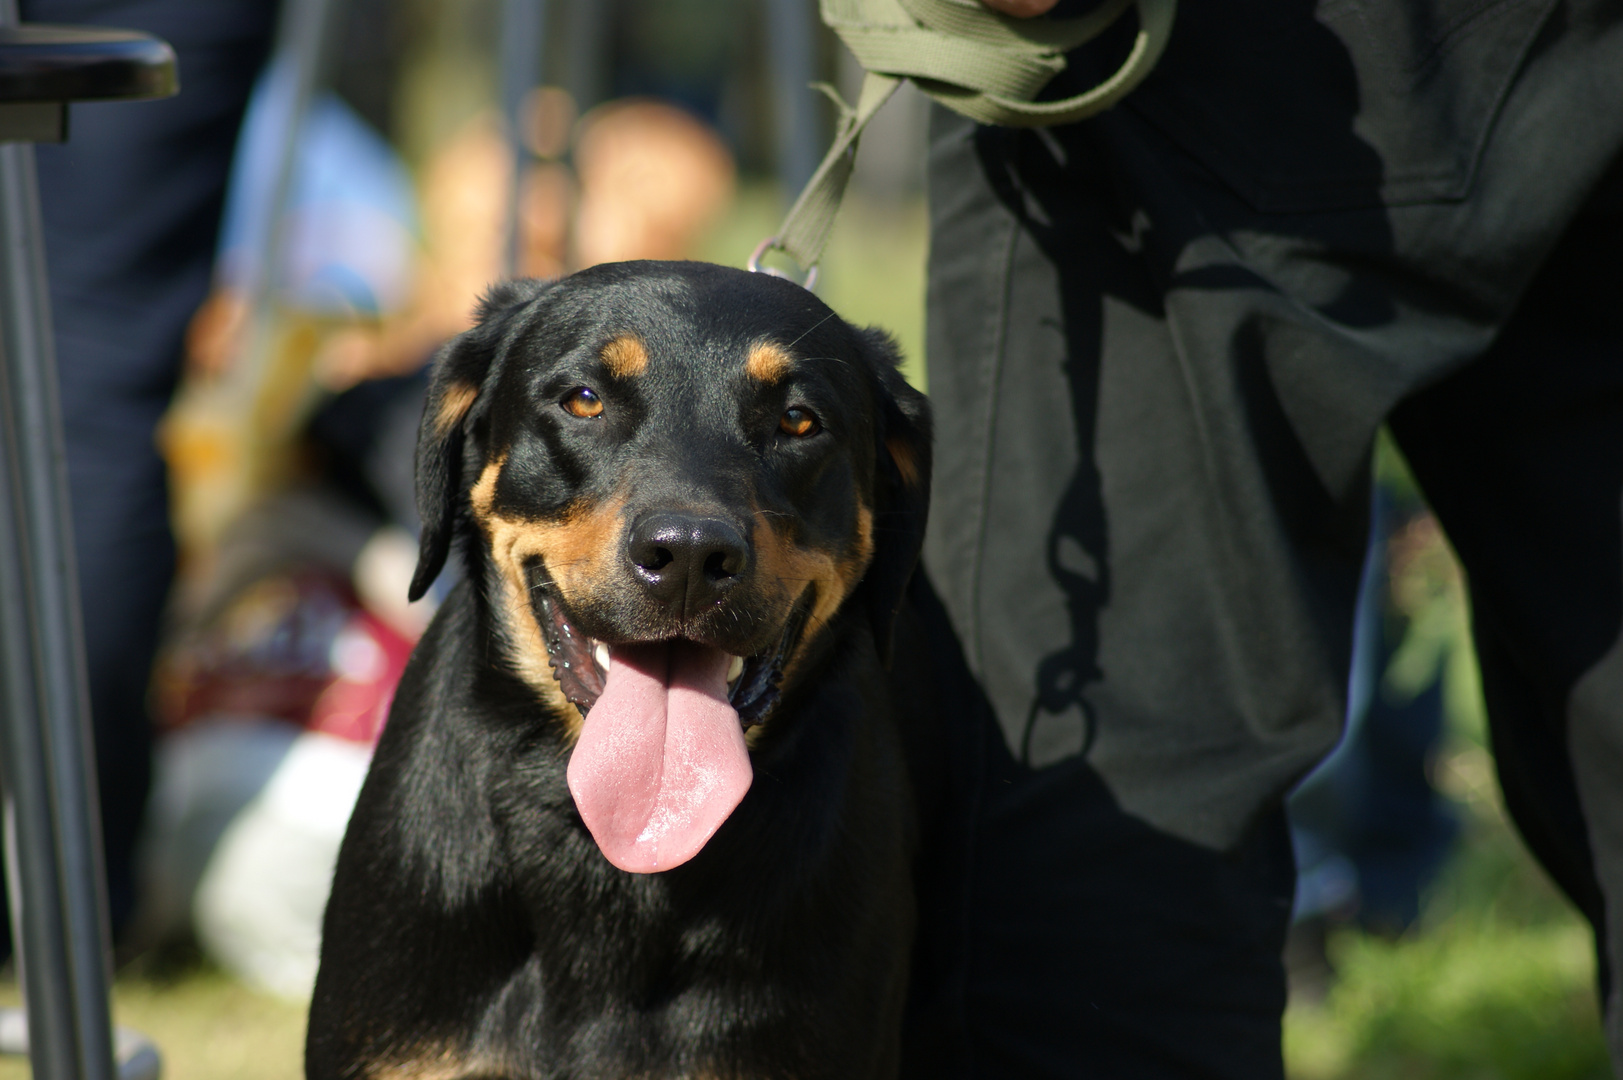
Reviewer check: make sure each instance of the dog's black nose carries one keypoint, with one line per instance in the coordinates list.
(686, 561)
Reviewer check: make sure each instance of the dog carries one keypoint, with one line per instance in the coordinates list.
(642, 807)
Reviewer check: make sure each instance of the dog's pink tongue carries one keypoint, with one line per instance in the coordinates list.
(661, 759)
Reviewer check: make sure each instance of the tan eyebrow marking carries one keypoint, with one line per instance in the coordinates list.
(768, 362)
(454, 405)
(625, 356)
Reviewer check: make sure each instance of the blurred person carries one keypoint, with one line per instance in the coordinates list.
(349, 228)
(271, 691)
(291, 625)
(347, 251)
(1368, 828)
(647, 179)
(131, 207)
(1160, 343)
(652, 177)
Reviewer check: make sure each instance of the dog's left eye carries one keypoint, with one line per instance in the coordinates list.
(798, 422)
(583, 402)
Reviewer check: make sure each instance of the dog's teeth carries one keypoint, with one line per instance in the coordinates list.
(735, 669)
(600, 653)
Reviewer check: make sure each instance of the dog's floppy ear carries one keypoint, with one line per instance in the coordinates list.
(456, 386)
(901, 487)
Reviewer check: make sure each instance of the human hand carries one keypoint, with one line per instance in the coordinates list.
(1021, 9)
(216, 332)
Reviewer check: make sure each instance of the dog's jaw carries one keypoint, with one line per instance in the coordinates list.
(580, 663)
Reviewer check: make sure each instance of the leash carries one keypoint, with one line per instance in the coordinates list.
(975, 61)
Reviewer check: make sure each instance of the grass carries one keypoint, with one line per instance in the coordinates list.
(1497, 983)
(206, 1025)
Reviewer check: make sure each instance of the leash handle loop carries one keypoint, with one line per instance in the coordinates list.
(973, 60)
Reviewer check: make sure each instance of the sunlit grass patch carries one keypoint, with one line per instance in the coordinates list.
(1496, 982)
(1475, 998)
(207, 1026)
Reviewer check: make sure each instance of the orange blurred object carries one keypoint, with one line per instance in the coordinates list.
(214, 335)
(652, 177)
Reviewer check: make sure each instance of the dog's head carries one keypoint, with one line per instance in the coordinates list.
(677, 478)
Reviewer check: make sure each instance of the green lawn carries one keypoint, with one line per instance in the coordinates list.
(206, 1025)
(1496, 982)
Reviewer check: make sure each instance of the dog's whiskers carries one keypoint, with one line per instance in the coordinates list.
(810, 328)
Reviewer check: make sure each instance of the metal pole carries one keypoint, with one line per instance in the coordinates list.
(524, 27)
(59, 898)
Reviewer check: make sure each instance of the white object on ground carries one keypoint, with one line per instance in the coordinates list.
(202, 777)
(259, 905)
(382, 574)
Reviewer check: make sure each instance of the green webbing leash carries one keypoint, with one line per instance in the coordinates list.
(971, 59)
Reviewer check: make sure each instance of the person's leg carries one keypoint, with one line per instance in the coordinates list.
(1160, 344)
(131, 206)
(1522, 457)
(1121, 515)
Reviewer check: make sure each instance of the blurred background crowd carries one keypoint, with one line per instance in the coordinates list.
(377, 185)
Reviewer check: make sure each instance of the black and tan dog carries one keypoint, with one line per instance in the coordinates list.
(641, 808)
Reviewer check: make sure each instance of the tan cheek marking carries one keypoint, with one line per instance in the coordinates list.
(625, 356)
(834, 577)
(575, 552)
(767, 362)
(443, 1064)
(858, 556)
(454, 405)
(753, 736)
(907, 463)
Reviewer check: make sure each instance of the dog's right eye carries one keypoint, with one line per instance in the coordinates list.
(583, 402)
(798, 421)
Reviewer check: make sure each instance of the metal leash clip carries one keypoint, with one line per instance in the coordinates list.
(754, 265)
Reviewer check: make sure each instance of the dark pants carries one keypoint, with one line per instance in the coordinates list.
(1160, 343)
(132, 205)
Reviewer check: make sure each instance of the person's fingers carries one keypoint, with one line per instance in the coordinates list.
(215, 334)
